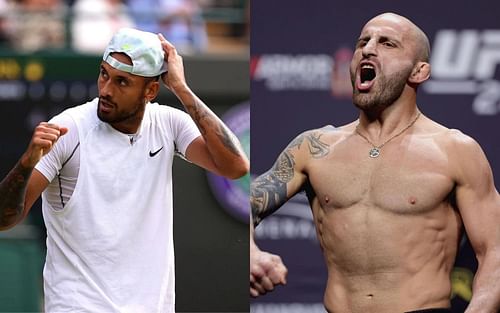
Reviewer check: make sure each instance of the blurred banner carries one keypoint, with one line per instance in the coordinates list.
(211, 245)
(299, 69)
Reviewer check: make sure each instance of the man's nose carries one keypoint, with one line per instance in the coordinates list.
(370, 48)
(106, 89)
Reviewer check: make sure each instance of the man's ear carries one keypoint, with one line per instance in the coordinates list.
(420, 73)
(152, 89)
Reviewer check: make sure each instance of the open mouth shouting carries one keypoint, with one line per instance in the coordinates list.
(366, 75)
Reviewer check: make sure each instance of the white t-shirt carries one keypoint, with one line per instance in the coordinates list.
(61, 165)
(108, 212)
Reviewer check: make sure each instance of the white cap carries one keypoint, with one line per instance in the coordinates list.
(143, 48)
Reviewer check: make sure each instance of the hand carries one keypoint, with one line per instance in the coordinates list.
(174, 78)
(44, 138)
(266, 271)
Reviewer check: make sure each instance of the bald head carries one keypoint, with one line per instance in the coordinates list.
(414, 33)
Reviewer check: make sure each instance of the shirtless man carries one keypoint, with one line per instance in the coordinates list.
(390, 192)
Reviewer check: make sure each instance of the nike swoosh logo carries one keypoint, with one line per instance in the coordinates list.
(152, 154)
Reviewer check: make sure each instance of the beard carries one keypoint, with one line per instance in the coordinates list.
(117, 116)
(386, 91)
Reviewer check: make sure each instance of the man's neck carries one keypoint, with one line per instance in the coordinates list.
(385, 123)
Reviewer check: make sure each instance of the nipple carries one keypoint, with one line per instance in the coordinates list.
(327, 199)
(412, 200)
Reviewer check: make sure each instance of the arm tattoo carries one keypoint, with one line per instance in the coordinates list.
(317, 148)
(207, 121)
(200, 117)
(296, 142)
(12, 195)
(228, 140)
(283, 169)
(268, 191)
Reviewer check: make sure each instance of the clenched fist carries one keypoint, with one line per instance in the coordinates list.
(44, 138)
(266, 271)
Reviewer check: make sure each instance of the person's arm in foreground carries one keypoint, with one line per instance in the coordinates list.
(218, 149)
(22, 186)
(479, 205)
(270, 191)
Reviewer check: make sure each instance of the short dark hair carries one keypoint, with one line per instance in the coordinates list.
(148, 80)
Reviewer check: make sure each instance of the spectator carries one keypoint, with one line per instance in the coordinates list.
(37, 24)
(95, 22)
(180, 21)
(4, 31)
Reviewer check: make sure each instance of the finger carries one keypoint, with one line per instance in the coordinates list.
(257, 271)
(161, 37)
(63, 130)
(282, 273)
(49, 125)
(52, 128)
(254, 293)
(285, 273)
(46, 135)
(259, 288)
(278, 275)
(267, 283)
(42, 144)
(169, 48)
(283, 279)
(44, 129)
(275, 270)
(165, 42)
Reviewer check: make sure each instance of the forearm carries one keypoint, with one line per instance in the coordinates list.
(486, 287)
(223, 146)
(12, 195)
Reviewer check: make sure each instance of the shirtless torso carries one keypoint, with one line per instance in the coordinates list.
(387, 226)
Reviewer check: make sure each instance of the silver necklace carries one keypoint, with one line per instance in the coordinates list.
(375, 151)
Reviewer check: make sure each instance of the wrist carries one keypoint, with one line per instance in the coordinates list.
(253, 245)
(27, 163)
(181, 90)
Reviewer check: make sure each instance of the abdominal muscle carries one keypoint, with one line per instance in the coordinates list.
(385, 261)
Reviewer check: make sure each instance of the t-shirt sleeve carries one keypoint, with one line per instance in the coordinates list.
(184, 129)
(52, 162)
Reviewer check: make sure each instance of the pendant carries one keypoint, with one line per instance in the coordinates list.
(374, 152)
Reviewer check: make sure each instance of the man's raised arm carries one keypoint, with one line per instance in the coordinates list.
(217, 150)
(14, 203)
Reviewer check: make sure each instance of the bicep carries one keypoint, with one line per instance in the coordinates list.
(478, 200)
(197, 153)
(273, 188)
(481, 217)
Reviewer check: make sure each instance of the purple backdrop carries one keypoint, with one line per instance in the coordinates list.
(300, 52)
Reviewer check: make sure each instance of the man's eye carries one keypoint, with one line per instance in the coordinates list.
(361, 43)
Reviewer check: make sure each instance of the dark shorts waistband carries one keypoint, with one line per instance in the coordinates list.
(431, 311)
